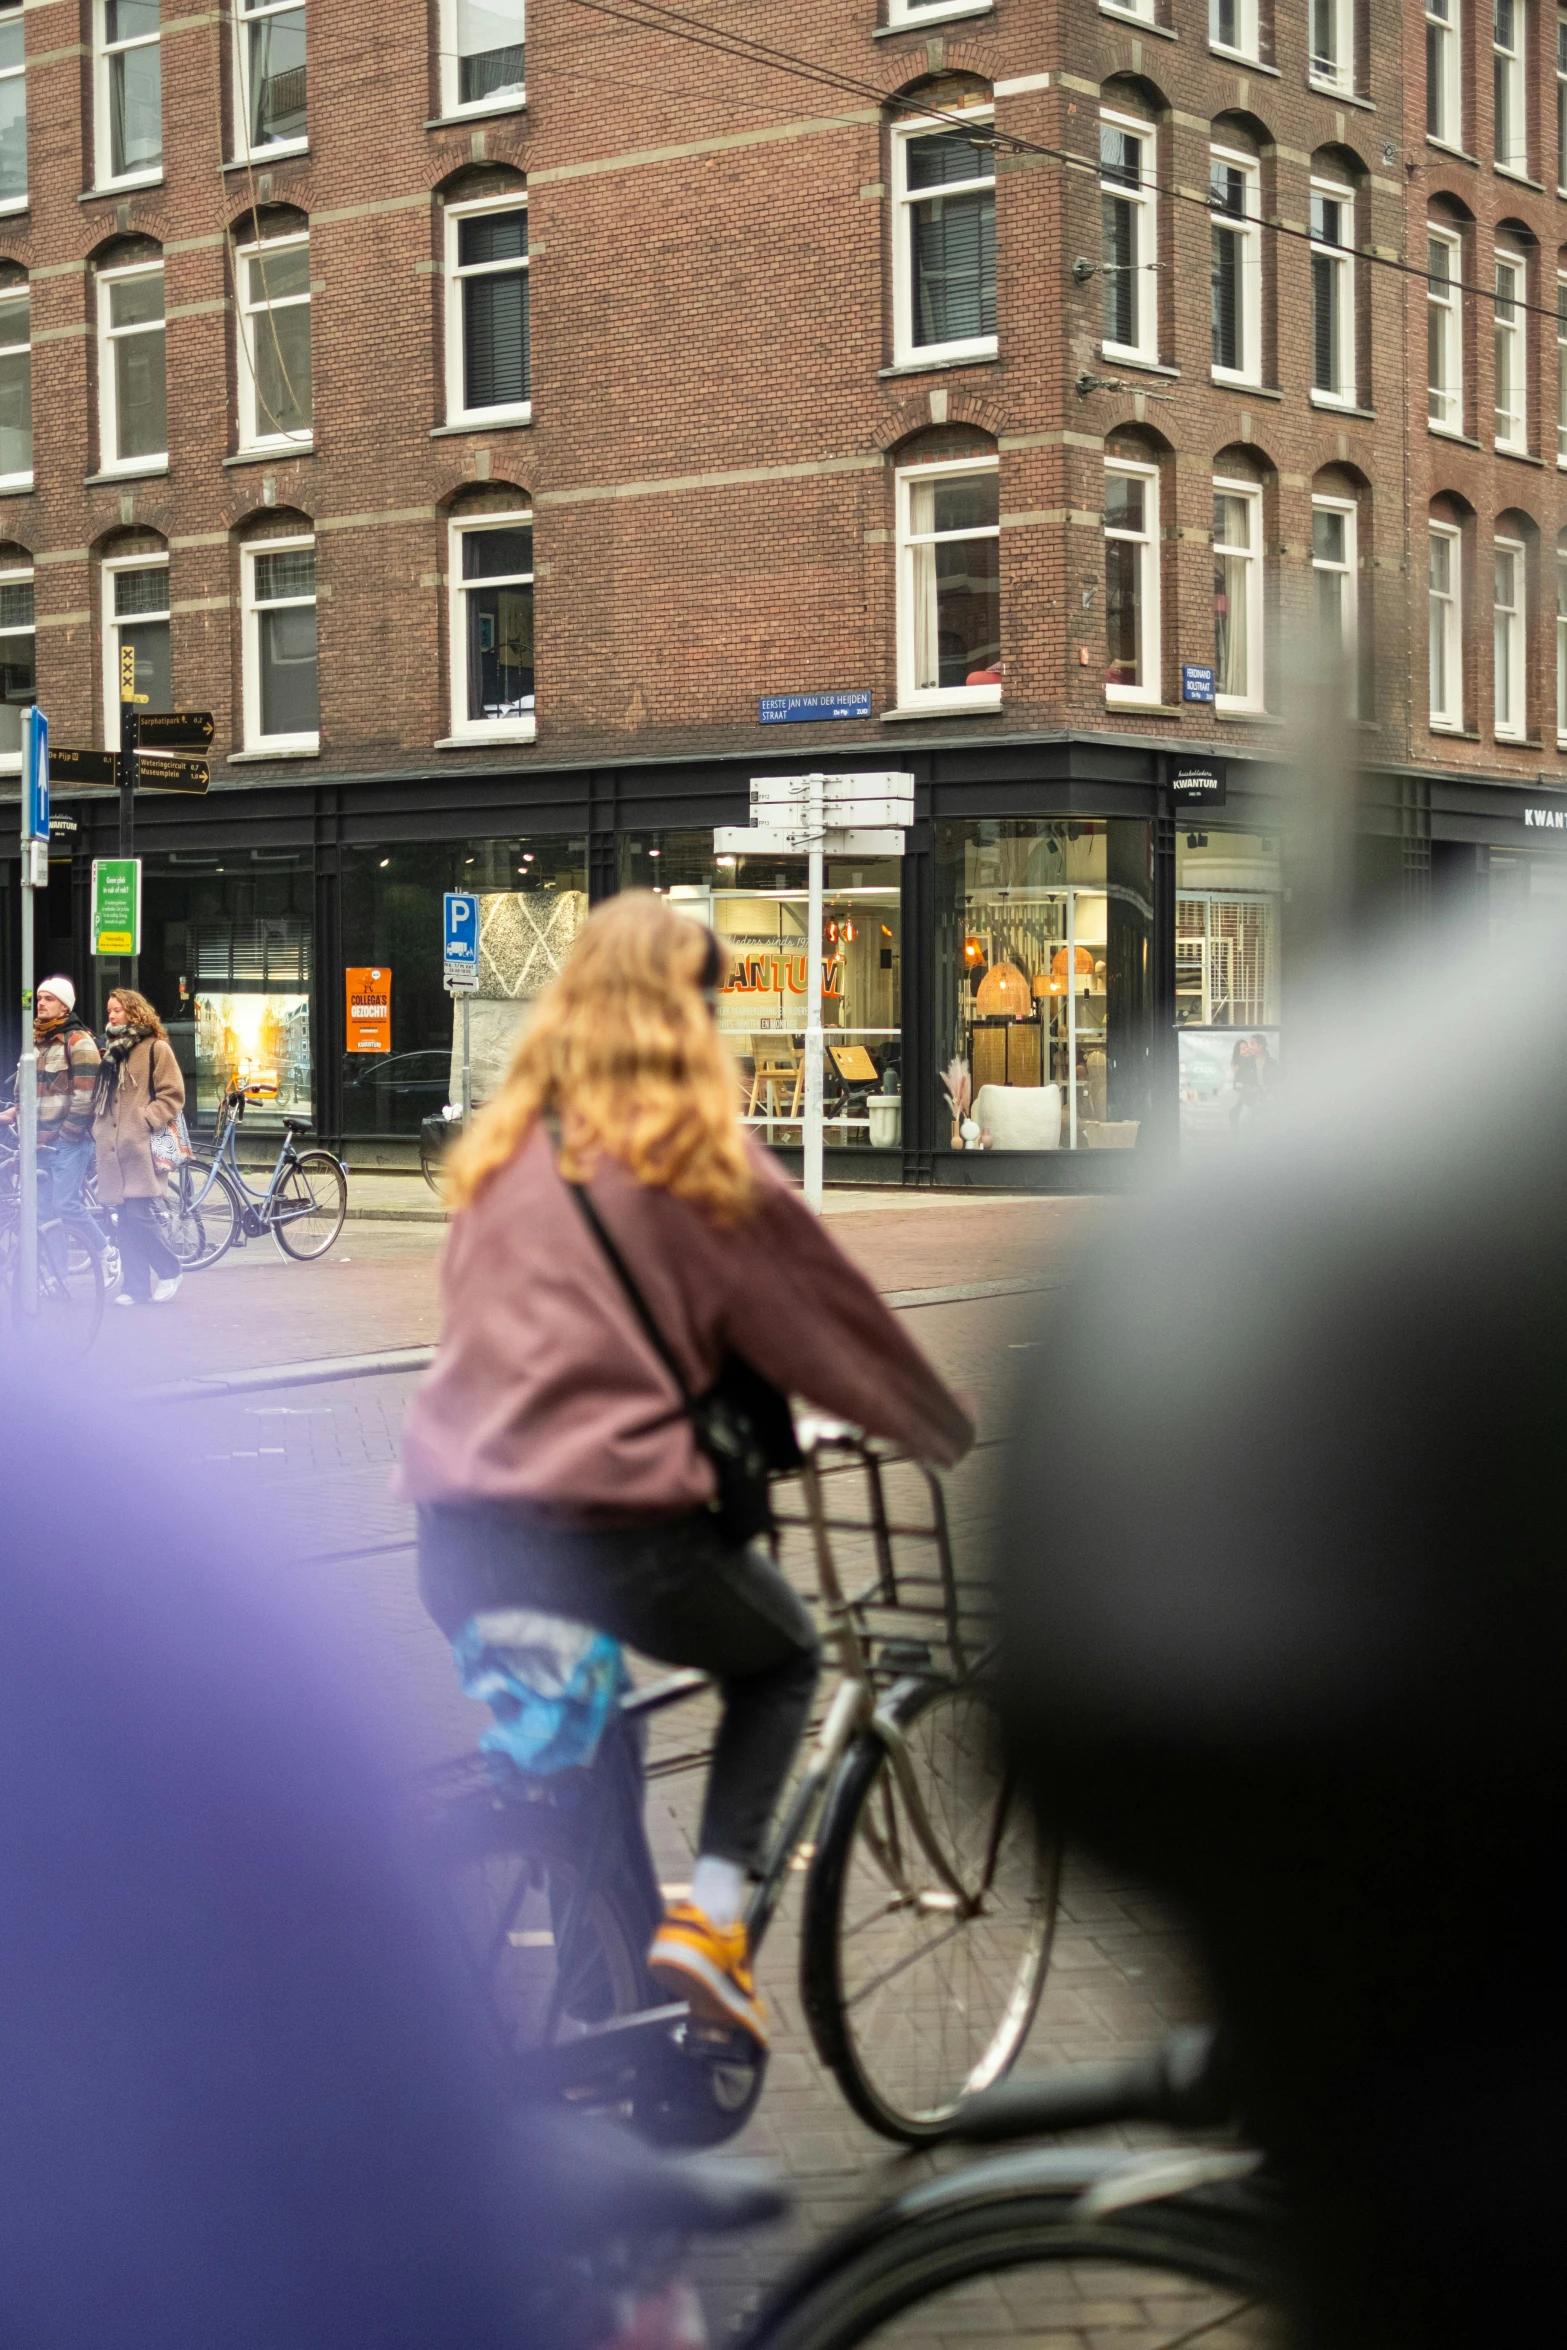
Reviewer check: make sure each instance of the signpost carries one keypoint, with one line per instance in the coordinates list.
(460, 956)
(820, 815)
(176, 730)
(116, 906)
(35, 875)
(153, 772)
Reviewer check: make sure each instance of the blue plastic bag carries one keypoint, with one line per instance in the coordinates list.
(552, 1685)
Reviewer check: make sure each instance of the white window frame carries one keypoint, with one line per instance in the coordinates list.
(19, 575)
(17, 73)
(1508, 73)
(1561, 647)
(498, 102)
(1337, 72)
(1343, 260)
(1255, 698)
(1140, 11)
(251, 612)
(1515, 329)
(1349, 572)
(1561, 369)
(1509, 667)
(464, 728)
(1246, 228)
(1145, 220)
(1561, 103)
(1147, 541)
(518, 412)
(112, 621)
(104, 53)
(247, 13)
(916, 12)
(108, 336)
(1246, 30)
(939, 697)
(17, 293)
(1445, 311)
(1443, 40)
(250, 434)
(1448, 717)
(906, 352)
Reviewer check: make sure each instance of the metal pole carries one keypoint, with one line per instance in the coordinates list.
(130, 733)
(467, 1070)
(814, 1052)
(27, 1092)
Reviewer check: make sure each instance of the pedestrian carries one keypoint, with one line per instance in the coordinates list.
(68, 1065)
(553, 1455)
(140, 1091)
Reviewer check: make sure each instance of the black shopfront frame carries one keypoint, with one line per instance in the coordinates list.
(1412, 831)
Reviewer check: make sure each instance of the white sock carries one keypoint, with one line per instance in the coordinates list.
(718, 1889)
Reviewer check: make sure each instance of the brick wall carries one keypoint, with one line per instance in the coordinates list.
(716, 428)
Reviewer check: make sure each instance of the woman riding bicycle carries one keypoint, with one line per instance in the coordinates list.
(554, 1459)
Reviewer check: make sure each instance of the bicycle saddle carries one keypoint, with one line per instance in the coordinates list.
(594, 2181)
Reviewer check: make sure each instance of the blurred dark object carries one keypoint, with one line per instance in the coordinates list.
(1282, 1563)
(436, 1136)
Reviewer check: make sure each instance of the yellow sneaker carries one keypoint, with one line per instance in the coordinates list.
(709, 1967)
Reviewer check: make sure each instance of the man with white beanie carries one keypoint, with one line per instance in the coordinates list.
(68, 1063)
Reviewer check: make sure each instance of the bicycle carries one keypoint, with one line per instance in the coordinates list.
(929, 1897)
(303, 1204)
(70, 1270)
(1181, 2244)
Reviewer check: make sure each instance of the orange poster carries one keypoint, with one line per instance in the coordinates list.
(369, 1008)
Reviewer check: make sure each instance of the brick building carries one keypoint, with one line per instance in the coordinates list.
(498, 437)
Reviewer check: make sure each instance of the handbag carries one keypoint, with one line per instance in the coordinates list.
(742, 1423)
(170, 1145)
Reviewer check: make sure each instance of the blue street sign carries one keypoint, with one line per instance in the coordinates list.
(35, 775)
(1196, 682)
(460, 939)
(786, 709)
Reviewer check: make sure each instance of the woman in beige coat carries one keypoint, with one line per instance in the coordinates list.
(139, 1091)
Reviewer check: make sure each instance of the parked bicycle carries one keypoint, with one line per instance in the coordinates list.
(302, 1205)
(70, 1270)
(1162, 2248)
(929, 1898)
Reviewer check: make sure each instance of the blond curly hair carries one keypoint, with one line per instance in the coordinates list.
(623, 1050)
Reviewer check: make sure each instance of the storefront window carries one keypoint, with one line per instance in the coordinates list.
(757, 905)
(1228, 894)
(533, 900)
(1044, 973)
(226, 959)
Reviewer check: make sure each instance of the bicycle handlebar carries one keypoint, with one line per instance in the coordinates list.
(1184, 2082)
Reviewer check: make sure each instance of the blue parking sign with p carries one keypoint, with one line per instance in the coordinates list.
(461, 944)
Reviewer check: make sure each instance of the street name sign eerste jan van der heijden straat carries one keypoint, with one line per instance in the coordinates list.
(161, 734)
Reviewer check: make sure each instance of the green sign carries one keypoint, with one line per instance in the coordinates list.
(116, 905)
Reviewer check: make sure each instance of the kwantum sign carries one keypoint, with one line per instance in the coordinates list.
(1545, 819)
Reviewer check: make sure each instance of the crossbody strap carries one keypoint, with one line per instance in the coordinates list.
(638, 1302)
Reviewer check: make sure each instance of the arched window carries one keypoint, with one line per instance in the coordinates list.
(133, 413)
(1338, 509)
(1335, 370)
(1128, 204)
(1449, 529)
(128, 84)
(489, 359)
(272, 274)
(16, 381)
(1239, 586)
(481, 56)
(490, 566)
(135, 579)
(1515, 249)
(1446, 245)
(278, 605)
(269, 77)
(13, 108)
(1561, 640)
(1235, 193)
(949, 574)
(1512, 546)
(944, 235)
(1133, 653)
(18, 677)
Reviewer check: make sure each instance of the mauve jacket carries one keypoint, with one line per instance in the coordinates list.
(546, 1395)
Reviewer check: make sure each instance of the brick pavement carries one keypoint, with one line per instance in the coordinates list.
(313, 1464)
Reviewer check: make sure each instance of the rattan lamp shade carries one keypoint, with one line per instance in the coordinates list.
(1004, 993)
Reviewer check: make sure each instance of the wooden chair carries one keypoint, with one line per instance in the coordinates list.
(776, 1062)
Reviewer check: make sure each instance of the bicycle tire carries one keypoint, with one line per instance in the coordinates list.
(70, 1288)
(202, 1194)
(912, 2005)
(309, 1206)
(931, 2269)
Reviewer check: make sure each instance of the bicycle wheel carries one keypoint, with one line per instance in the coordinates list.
(70, 1290)
(984, 2255)
(914, 1997)
(309, 1205)
(204, 1215)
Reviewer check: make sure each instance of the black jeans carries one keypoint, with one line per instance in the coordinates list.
(145, 1254)
(679, 1593)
